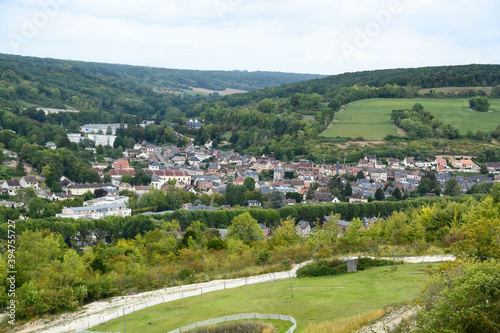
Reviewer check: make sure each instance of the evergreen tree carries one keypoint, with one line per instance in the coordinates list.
(379, 194)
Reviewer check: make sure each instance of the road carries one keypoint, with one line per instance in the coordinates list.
(162, 158)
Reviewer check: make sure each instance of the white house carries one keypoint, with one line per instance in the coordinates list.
(11, 185)
(29, 181)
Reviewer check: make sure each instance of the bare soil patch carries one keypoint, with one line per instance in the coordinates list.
(455, 90)
(226, 92)
(401, 131)
(481, 111)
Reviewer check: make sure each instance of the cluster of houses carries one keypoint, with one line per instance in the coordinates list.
(206, 170)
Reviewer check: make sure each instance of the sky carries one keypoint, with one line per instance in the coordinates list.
(301, 36)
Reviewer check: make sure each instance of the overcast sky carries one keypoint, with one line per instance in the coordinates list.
(304, 36)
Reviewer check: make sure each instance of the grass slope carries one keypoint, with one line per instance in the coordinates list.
(371, 118)
(315, 300)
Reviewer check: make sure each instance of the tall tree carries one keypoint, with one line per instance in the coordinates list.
(249, 183)
(244, 227)
(379, 194)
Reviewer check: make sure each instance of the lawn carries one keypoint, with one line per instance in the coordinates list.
(8, 172)
(316, 300)
(371, 118)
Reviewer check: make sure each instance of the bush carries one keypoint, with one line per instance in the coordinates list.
(186, 274)
(336, 267)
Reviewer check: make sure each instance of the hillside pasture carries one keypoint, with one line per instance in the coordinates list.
(371, 118)
(316, 300)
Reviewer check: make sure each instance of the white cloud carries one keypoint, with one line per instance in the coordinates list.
(283, 35)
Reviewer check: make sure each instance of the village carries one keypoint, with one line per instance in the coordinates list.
(204, 170)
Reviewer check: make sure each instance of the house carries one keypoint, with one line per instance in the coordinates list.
(409, 162)
(125, 187)
(279, 174)
(378, 175)
(413, 175)
(171, 174)
(204, 183)
(400, 177)
(11, 186)
(364, 163)
(157, 182)
(121, 164)
(291, 202)
(372, 159)
(341, 225)
(29, 181)
(303, 228)
(131, 152)
(265, 229)
(81, 189)
(96, 212)
(9, 204)
(358, 198)
(253, 203)
(193, 123)
(466, 164)
(140, 190)
(423, 164)
(441, 161)
(51, 145)
(323, 197)
(393, 162)
(493, 167)
(149, 148)
(251, 174)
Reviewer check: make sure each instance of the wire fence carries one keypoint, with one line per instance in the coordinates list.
(215, 321)
(181, 292)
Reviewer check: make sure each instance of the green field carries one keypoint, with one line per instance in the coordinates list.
(315, 300)
(371, 118)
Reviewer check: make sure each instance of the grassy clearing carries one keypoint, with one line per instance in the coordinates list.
(8, 172)
(371, 118)
(316, 300)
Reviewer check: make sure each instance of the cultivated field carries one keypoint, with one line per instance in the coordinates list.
(371, 118)
(316, 300)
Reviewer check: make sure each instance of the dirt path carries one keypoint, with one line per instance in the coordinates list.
(99, 312)
(390, 321)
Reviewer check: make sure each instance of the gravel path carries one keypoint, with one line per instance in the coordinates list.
(102, 311)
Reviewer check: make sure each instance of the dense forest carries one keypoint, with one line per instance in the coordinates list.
(137, 90)
(423, 77)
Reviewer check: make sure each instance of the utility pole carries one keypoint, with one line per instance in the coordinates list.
(290, 277)
(124, 328)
